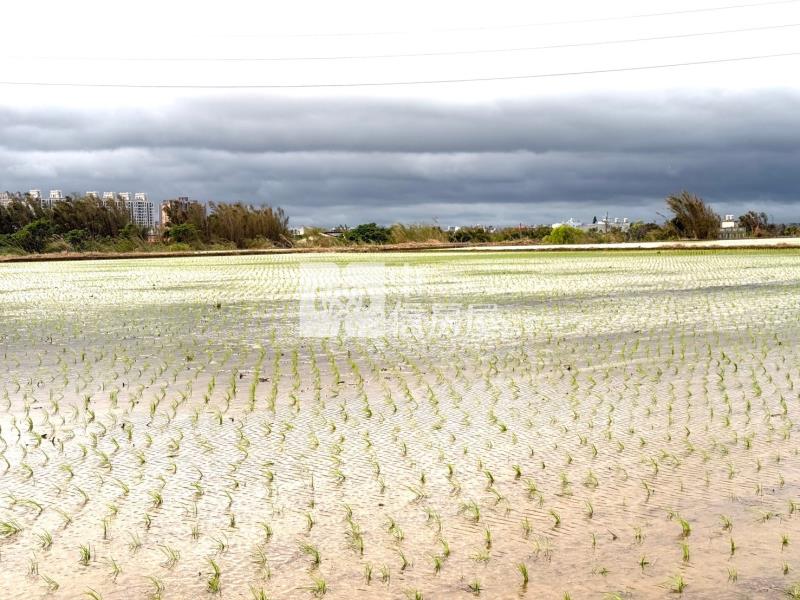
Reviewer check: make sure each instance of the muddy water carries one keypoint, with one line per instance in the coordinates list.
(618, 424)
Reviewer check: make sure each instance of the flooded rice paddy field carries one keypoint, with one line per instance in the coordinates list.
(605, 425)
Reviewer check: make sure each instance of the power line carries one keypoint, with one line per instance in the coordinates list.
(396, 83)
(414, 54)
(521, 25)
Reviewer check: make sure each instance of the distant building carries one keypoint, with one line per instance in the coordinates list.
(112, 199)
(570, 223)
(729, 229)
(608, 224)
(52, 198)
(5, 199)
(297, 231)
(336, 231)
(141, 209)
(453, 228)
(94, 195)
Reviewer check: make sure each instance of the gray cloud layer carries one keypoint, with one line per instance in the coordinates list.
(332, 161)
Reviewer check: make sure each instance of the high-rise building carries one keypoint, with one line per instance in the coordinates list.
(93, 195)
(35, 195)
(5, 199)
(141, 209)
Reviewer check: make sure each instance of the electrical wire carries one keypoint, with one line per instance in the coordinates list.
(398, 83)
(668, 13)
(413, 54)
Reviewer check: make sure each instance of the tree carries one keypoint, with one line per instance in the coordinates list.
(640, 231)
(185, 233)
(180, 212)
(77, 238)
(470, 234)
(243, 225)
(693, 217)
(537, 232)
(754, 223)
(367, 233)
(564, 234)
(33, 237)
(91, 215)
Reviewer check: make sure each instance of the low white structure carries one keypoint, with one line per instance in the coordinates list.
(570, 223)
(729, 229)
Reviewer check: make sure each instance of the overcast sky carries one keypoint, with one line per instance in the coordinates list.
(537, 149)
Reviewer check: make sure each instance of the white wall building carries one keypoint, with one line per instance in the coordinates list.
(570, 223)
(5, 199)
(141, 209)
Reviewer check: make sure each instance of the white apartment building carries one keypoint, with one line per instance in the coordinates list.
(94, 195)
(141, 209)
(35, 195)
(5, 199)
(52, 198)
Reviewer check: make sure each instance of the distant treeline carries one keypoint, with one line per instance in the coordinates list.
(88, 224)
(238, 224)
(693, 219)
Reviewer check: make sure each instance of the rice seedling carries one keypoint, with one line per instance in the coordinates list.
(52, 584)
(158, 588)
(171, 556)
(85, 554)
(319, 587)
(9, 528)
(115, 569)
(686, 528)
(523, 571)
(258, 593)
(677, 584)
(214, 583)
(312, 552)
(793, 591)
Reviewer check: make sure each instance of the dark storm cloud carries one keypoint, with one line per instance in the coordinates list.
(331, 161)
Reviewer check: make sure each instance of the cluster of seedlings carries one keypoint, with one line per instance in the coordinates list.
(616, 426)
